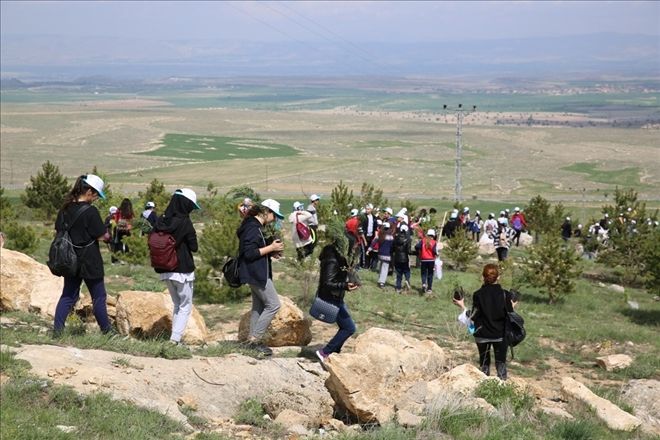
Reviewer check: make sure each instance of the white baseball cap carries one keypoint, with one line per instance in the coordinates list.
(95, 182)
(274, 206)
(516, 209)
(112, 209)
(501, 221)
(403, 228)
(188, 194)
(150, 205)
(314, 197)
(466, 209)
(431, 232)
(389, 211)
(297, 206)
(354, 212)
(453, 214)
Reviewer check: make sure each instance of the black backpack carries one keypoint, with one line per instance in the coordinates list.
(230, 272)
(514, 328)
(62, 257)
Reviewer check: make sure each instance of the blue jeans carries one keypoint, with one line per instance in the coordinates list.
(69, 298)
(346, 329)
(427, 273)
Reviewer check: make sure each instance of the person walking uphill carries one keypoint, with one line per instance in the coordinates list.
(86, 228)
(255, 269)
(333, 285)
(489, 306)
(180, 281)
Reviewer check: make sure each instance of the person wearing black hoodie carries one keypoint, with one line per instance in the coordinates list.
(255, 269)
(176, 221)
(333, 284)
(489, 307)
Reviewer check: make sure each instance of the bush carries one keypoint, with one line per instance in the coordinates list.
(47, 190)
(552, 266)
(138, 249)
(156, 193)
(650, 251)
(6, 210)
(20, 238)
(251, 412)
(460, 250)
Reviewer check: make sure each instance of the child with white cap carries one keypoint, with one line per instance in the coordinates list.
(85, 229)
(255, 269)
(176, 221)
(304, 246)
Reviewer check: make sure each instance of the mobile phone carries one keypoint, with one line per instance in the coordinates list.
(458, 294)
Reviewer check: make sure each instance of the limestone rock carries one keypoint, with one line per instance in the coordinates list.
(614, 361)
(526, 239)
(294, 422)
(369, 382)
(27, 285)
(408, 419)
(556, 412)
(612, 415)
(644, 396)
(148, 314)
(288, 327)
(616, 288)
(316, 409)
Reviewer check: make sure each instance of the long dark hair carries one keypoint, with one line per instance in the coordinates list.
(79, 188)
(255, 210)
(126, 209)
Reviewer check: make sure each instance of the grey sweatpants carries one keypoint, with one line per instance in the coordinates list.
(265, 304)
(182, 294)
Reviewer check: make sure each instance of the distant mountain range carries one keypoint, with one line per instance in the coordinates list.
(60, 57)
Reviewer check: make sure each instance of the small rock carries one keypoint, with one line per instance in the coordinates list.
(408, 419)
(614, 362)
(616, 288)
(188, 401)
(336, 425)
(67, 429)
(557, 412)
(630, 343)
(633, 305)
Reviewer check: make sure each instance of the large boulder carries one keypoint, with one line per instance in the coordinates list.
(369, 382)
(614, 362)
(644, 396)
(149, 314)
(288, 327)
(613, 416)
(27, 285)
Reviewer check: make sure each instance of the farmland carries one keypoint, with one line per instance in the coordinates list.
(290, 140)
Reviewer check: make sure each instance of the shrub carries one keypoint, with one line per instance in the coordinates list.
(650, 251)
(251, 412)
(341, 199)
(499, 393)
(47, 190)
(553, 267)
(542, 219)
(460, 250)
(20, 238)
(156, 193)
(6, 210)
(138, 249)
(369, 194)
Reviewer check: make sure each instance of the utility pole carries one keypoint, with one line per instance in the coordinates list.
(460, 113)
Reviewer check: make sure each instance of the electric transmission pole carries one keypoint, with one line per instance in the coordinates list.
(460, 113)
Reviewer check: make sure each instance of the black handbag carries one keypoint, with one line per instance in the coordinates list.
(230, 272)
(323, 310)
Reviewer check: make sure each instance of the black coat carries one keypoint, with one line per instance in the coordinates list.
(176, 221)
(253, 268)
(488, 311)
(332, 281)
(85, 233)
(401, 248)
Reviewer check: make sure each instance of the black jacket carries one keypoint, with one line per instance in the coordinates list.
(332, 281)
(488, 304)
(85, 232)
(176, 221)
(401, 248)
(253, 268)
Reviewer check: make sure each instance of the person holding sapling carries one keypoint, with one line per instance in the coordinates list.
(176, 221)
(490, 305)
(85, 229)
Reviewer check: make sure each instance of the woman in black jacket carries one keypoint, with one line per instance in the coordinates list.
(400, 257)
(180, 281)
(333, 284)
(254, 268)
(489, 307)
(86, 228)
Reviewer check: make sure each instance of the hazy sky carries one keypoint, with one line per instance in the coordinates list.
(313, 21)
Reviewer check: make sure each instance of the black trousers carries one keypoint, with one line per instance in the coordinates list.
(484, 352)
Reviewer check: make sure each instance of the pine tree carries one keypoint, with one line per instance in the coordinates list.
(47, 190)
(342, 199)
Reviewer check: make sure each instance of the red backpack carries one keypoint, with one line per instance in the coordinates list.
(162, 251)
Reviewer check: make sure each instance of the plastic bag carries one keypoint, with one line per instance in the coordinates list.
(437, 268)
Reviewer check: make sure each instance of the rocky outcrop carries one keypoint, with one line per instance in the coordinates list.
(614, 362)
(644, 396)
(369, 382)
(290, 327)
(612, 415)
(149, 314)
(27, 285)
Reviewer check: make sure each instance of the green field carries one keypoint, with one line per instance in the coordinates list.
(206, 148)
(628, 177)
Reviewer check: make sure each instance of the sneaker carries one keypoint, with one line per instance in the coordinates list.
(322, 356)
(429, 291)
(406, 285)
(381, 285)
(398, 291)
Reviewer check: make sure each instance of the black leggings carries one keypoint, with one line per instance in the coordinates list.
(484, 352)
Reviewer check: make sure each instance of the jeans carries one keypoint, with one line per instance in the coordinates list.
(484, 353)
(265, 304)
(402, 270)
(502, 253)
(346, 329)
(182, 294)
(427, 274)
(69, 298)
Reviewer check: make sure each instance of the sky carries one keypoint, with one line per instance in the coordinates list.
(351, 22)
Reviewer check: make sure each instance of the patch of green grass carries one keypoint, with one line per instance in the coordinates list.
(574, 430)
(207, 148)
(195, 421)
(499, 393)
(251, 412)
(627, 177)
